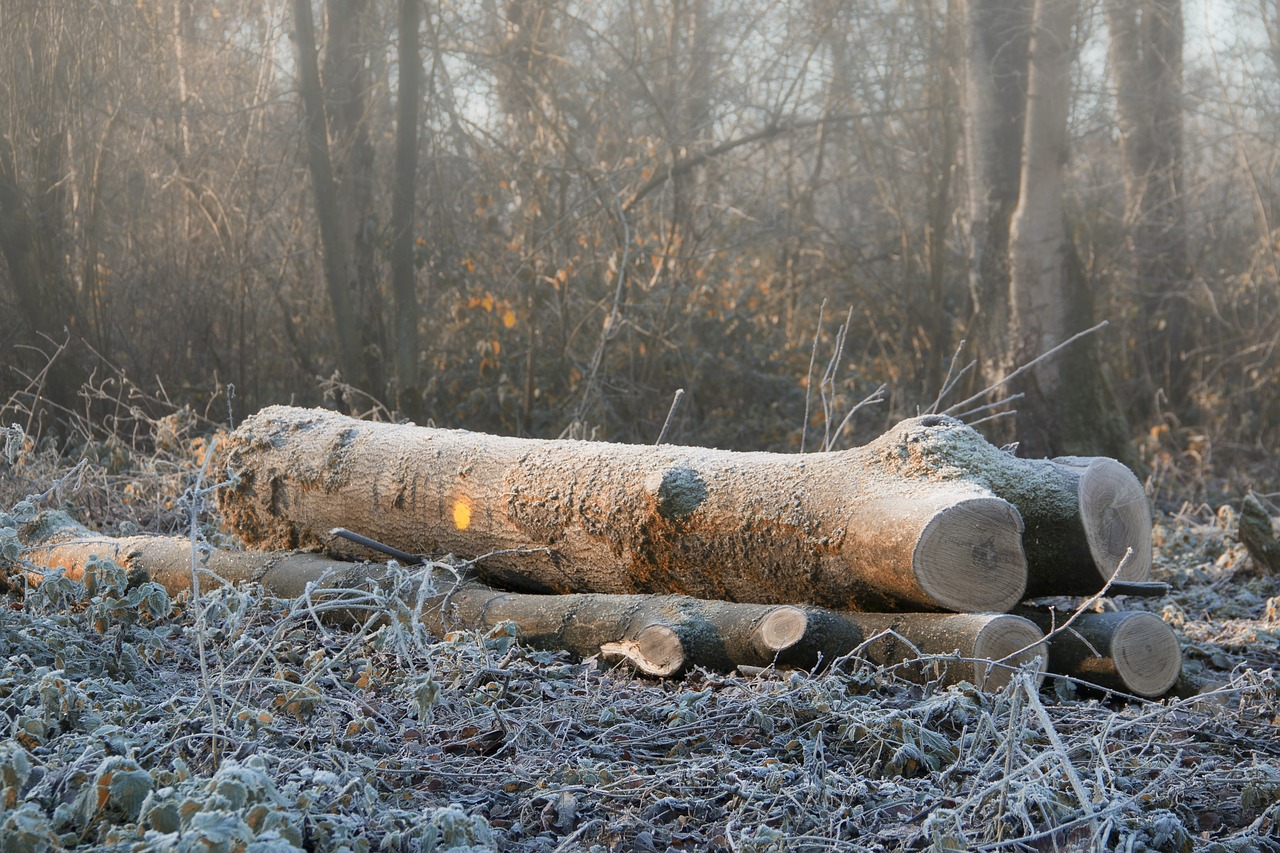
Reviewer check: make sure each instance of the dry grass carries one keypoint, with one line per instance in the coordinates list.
(244, 722)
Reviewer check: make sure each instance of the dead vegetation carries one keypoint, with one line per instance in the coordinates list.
(241, 721)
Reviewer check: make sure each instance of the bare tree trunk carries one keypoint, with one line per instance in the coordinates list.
(1038, 284)
(33, 217)
(403, 279)
(346, 100)
(1068, 407)
(338, 272)
(1145, 54)
(939, 207)
(995, 37)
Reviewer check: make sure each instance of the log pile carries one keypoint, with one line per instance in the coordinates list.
(913, 547)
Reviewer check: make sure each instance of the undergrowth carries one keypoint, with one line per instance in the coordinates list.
(243, 722)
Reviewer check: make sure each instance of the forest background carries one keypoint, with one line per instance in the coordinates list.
(570, 210)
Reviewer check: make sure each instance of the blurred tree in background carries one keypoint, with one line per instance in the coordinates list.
(545, 216)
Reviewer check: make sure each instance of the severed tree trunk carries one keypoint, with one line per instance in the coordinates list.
(1083, 515)
(1131, 652)
(924, 517)
(661, 635)
(841, 530)
(981, 648)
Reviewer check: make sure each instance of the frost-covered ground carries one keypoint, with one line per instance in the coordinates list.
(242, 722)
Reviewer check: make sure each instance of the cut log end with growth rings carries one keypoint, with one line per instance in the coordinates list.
(1116, 520)
(1132, 652)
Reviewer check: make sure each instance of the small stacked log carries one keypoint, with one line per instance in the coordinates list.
(927, 517)
(660, 635)
(1128, 652)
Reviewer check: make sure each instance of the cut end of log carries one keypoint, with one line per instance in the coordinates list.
(1147, 656)
(1003, 646)
(656, 650)
(1116, 518)
(782, 628)
(969, 557)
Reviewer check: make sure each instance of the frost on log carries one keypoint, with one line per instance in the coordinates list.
(660, 635)
(914, 520)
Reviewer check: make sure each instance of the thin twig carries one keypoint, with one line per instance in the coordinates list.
(1060, 750)
(1003, 400)
(1030, 364)
(952, 378)
(828, 384)
(808, 384)
(611, 321)
(194, 495)
(876, 396)
(671, 414)
(402, 557)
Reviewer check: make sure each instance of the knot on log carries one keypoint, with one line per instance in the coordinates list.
(679, 491)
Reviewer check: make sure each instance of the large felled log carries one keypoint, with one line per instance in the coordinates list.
(844, 530)
(1130, 651)
(1082, 515)
(660, 634)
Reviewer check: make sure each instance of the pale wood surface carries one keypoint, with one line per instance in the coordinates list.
(844, 530)
(661, 635)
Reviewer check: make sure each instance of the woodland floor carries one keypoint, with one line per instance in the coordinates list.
(243, 722)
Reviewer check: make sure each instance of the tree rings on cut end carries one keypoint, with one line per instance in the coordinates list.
(1116, 518)
(656, 650)
(1147, 656)
(1003, 646)
(969, 557)
(782, 628)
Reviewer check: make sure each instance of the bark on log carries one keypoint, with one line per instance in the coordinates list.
(661, 635)
(1130, 652)
(986, 649)
(1082, 514)
(845, 530)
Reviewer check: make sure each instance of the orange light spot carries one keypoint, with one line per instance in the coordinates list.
(462, 512)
